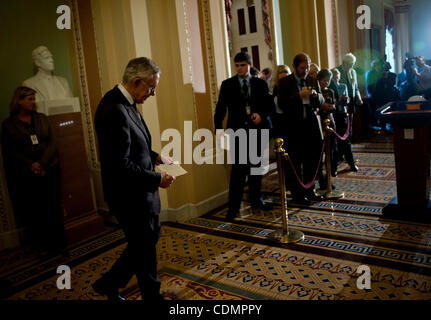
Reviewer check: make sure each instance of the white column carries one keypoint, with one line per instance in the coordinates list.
(402, 35)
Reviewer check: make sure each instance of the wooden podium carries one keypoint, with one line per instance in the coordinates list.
(412, 143)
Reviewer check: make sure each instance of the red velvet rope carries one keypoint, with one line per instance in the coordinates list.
(347, 131)
(308, 185)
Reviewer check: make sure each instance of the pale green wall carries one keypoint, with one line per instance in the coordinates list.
(26, 24)
(420, 26)
(285, 32)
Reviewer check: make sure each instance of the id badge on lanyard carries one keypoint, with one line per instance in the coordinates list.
(34, 140)
(248, 110)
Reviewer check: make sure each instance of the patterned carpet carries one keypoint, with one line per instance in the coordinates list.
(206, 258)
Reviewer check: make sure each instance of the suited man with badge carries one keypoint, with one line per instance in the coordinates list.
(248, 103)
(130, 183)
(300, 98)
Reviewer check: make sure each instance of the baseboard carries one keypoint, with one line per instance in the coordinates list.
(188, 210)
(191, 210)
(11, 239)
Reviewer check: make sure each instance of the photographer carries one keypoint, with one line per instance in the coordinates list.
(326, 112)
(424, 73)
(410, 87)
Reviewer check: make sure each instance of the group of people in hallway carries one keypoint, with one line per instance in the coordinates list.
(290, 103)
(292, 107)
(131, 185)
(384, 86)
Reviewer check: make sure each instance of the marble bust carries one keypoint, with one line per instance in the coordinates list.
(47, 85)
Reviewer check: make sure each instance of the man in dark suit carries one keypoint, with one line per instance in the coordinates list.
(130, 183)
(300, 99)
(249, 104)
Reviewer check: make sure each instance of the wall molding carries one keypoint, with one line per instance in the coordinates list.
(209, 47)
(334, 10)
(85, 98)
(11, 238)
(190, 210)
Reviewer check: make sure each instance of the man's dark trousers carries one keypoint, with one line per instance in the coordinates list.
(139, 257)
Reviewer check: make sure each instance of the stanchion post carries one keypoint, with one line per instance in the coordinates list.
(287, 235)
(330, 194)
(281, 177)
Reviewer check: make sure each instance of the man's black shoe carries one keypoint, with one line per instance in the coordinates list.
(112, 293)
(312, 196)
(301, 200)
(231, 215)
(262, 206)
(4, 288)
(324, 186)
(354, 168)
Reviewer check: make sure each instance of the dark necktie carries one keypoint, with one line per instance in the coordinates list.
(136, 112)
(302, 83)
(141, 121)
(245, 89)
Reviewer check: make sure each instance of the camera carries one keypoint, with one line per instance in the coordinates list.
(314, 100)
(410, 63)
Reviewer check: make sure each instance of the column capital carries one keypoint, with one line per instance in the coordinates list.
(401, 6)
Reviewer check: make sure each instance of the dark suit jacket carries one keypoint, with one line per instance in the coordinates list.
(18, 151)
(290, 102)
(232, 100)
(350, 79)
(126, 159)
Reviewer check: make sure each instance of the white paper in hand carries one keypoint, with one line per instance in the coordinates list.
(172, 169)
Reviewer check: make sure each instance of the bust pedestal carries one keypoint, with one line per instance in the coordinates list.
(58, 106)
(80, 216)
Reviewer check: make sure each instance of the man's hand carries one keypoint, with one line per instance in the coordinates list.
(305, 93)
(327, 107)
(36, 168)
(255, 117)
(166, 180)
(163, 160)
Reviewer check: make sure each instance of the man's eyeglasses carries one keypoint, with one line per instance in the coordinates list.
(152, 88)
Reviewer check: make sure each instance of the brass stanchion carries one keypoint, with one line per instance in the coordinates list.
(287, 235)
(330, 194)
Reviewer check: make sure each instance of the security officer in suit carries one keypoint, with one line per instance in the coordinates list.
(249, 105)
(130, 183)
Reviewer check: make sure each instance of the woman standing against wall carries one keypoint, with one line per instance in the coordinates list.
(33, 172)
